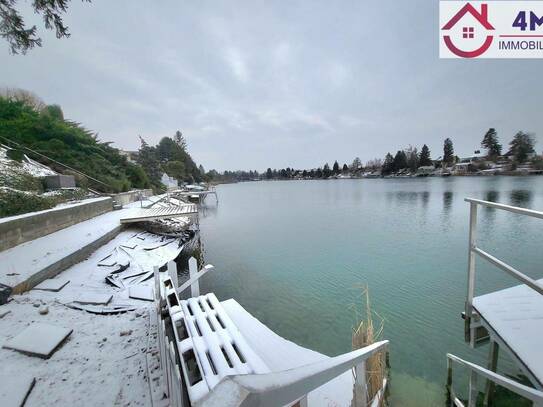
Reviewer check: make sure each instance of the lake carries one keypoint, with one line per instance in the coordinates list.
(295, 254)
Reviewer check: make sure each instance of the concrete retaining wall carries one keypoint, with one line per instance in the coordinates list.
(131, 196)
(67, 261)
(19, 229)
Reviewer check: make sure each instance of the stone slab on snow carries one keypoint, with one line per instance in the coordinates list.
(141, 292)
(39, 339)
(93, 298)
(14, 389)
(52, 284)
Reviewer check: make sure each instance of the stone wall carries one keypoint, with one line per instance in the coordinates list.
(22, 228)
(131, 196)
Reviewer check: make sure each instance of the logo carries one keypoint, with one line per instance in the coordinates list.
(468, 31)
(491, 29)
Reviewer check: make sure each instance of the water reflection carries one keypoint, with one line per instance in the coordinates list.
(521, 197)
(447, 201)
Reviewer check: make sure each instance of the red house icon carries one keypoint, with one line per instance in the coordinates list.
(468, 32)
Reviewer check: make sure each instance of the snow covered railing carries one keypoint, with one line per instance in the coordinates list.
(475, 250)
(206, 361)
(285, 387)
(526, 392)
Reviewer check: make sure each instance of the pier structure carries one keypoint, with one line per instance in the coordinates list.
(509, 320)
(195, 195)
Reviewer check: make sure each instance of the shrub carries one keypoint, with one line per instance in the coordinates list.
(16, 203)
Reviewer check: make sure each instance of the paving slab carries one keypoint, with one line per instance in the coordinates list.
(94, 298)
(14, 389)
(141, 292)
(53, 284)
(39, 339)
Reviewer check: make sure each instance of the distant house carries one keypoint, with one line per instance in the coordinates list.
(131, 156)
(462, 167)
(476, 157)
(169, 182)
(425, 170)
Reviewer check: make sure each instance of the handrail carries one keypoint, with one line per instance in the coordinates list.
(281, 388)
(514, 209)
(534, 395)
(533, 284)
(473, 250)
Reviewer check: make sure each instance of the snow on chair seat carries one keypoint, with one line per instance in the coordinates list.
(210, 345)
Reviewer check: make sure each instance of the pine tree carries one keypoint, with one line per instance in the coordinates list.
(180, 140)
(521, 145)
(269, 173)
(412, 158)
(448, 152)
(490, 142)
(335, 168)
(326, 172)
(345, 169)
(148, 159)
(424, 158)
(400, 161)
(388, 164)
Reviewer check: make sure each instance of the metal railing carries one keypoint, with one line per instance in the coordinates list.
(533, 395)
(473, 250)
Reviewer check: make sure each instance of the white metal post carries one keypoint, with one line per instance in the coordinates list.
(172, 272)
(471, 268)
(193, 270)
(361, 385)
(473, 392)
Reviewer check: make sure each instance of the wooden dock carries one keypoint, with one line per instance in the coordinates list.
(145, 214)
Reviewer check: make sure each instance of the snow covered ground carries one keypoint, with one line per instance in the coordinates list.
(107, 358)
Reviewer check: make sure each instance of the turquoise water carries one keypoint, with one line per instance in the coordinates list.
(295, 254)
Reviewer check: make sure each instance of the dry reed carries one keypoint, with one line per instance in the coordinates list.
(365, 334)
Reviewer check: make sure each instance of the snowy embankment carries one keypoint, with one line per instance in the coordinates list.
(21, 186)
(109, 357)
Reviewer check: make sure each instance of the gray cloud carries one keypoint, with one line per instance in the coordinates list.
(254, 84)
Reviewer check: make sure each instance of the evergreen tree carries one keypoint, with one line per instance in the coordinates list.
(400, 161)
(326, 172)
(269, 173)
(490, 142)
(388, 164)
(355, 166)
(412, 158)
(180, 140)
(521, 145)
(319, 173)
(148, 159)
(448, 152)
(345, 169)
(335, 168)
(424, 158)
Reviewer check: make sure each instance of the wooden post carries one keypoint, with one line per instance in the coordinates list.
(493, 366)
(193, 270)
(361, 386)
(471, 272)
(172, 272)
(473, 392)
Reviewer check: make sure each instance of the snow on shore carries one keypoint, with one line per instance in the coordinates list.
(107, 358)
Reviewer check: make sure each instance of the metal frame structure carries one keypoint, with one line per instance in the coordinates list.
(474, 322)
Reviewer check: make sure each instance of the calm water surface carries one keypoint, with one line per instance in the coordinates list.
(296, 253)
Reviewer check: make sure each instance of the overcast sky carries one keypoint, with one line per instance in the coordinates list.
(257, 84)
